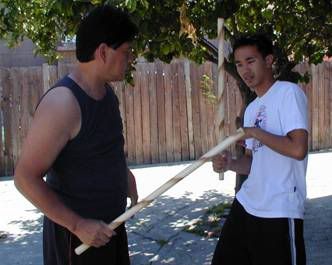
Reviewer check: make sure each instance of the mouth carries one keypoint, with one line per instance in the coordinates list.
(248, 81)
(248, 78)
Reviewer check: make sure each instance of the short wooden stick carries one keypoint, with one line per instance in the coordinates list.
(170, 183)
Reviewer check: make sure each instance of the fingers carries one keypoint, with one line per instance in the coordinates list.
(94, 232)
(220, 162)
(106, 230)
(103, 236)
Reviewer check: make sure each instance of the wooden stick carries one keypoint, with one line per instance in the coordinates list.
(167, 185)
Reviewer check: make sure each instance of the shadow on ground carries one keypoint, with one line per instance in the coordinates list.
(156, 234)
(318, 231)
(22, 245)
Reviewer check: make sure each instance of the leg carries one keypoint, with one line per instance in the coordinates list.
(276, 241)
(231, 248)
(55, 243)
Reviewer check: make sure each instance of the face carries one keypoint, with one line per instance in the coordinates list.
(254, 70)
(116, 61)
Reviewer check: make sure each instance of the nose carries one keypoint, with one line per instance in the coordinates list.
(244, 69)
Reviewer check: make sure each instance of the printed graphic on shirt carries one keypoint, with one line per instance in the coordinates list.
(260, 122)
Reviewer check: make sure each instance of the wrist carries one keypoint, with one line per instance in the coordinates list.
(74, 223)
(254, 132)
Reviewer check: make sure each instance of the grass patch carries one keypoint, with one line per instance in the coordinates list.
(162, 242)
(210, 224)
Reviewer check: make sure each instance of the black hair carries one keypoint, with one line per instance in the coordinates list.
(104, 24)
(260, 41)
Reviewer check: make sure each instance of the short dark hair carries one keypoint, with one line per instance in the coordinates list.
(104, 24)
(260, 41)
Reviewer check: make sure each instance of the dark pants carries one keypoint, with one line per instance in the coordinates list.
(59, 245)
(249, 240)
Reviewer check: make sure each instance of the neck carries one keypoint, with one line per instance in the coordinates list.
(261, 89)
(86, 76)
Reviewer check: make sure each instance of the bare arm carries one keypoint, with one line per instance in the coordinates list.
(132, 188)
(56, 121)
(294, 144)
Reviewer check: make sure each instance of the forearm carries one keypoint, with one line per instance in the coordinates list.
(294, 147)
(40, 195)
(132, 188)
(241, 165)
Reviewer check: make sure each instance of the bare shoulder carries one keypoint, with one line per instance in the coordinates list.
(60, 108)
(56, 121)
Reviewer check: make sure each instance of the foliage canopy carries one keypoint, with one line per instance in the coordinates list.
(301, 29)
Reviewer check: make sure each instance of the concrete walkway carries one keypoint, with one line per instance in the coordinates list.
(156, 234)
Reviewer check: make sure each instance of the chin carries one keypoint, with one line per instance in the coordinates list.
(251, 85)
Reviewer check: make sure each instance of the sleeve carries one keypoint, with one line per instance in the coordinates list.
(294, 110)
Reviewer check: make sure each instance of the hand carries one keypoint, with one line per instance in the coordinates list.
(221, 162)
(132, 189)
(93, 232)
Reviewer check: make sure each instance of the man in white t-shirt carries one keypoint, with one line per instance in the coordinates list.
(265, 225)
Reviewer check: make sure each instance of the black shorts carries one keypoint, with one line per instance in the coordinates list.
(59, 245)
(249, 240)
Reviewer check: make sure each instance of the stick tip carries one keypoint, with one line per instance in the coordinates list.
(80, 249)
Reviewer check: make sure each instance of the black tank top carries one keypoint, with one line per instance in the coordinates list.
(90, 173)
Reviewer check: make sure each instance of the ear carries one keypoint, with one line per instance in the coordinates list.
(101, 52)
(269, 60)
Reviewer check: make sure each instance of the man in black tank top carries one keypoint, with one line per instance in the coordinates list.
(76, 138)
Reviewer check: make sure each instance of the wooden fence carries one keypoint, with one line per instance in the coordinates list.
(166, 117)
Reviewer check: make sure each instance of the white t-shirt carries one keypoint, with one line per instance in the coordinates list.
(276, 185)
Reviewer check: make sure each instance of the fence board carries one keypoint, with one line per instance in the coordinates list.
(195, 109)
(2, 144)
(161, 113)
(176, 86)
(315, 110)
(202, 109)
(168, 90)
(138, 120)
(321, 109)
(327, 109)
(152, 86)
(25, 114)
(7, 127)
(145, 97)
(212, 108)
(16, 90)
(130, 125)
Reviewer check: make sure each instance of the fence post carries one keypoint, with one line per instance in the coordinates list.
(46, 77)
